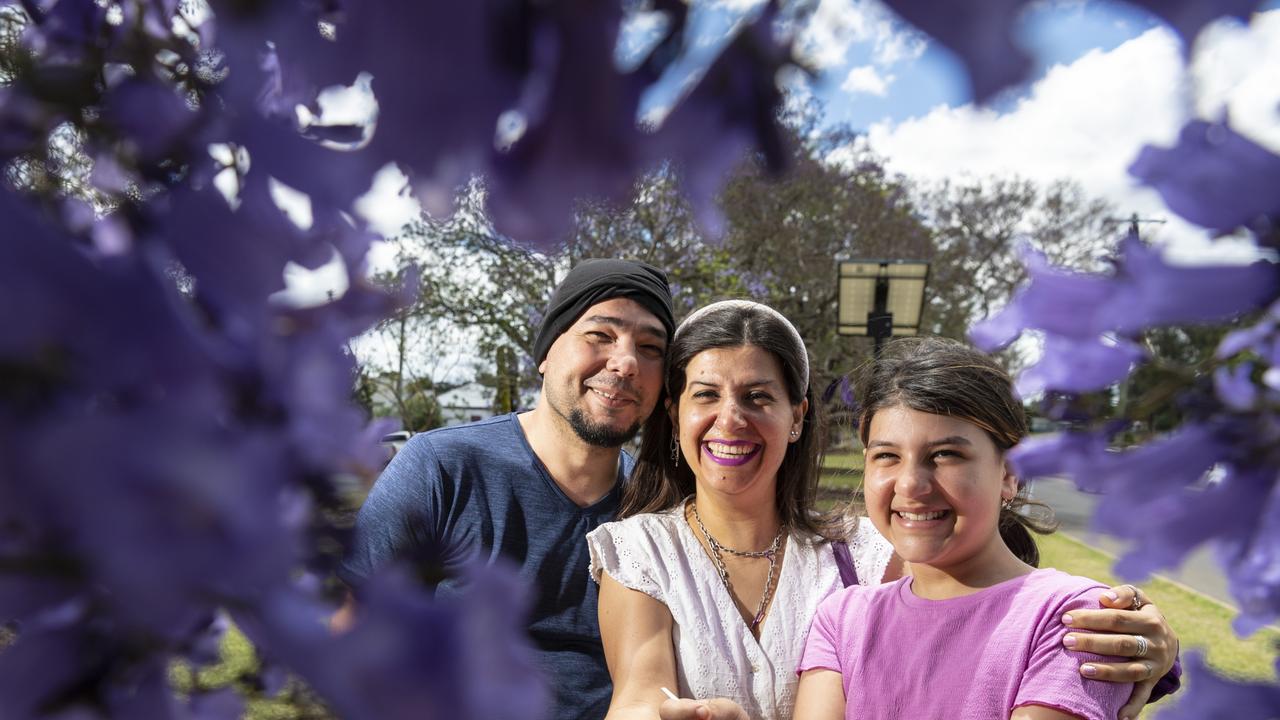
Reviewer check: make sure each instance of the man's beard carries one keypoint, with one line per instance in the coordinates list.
(597, 434)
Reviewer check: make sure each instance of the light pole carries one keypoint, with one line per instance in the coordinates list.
(880, 297)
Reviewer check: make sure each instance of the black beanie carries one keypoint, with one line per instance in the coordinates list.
(597, 280)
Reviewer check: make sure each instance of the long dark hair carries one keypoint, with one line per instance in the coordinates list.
(944, 377)
(659, 483)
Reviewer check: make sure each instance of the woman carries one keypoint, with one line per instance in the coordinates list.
(972, 633)
(708, 583)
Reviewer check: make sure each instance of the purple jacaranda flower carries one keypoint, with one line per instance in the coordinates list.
(1252, 558)
(1058, 301)
(1069, 365)
(1213, 177)
(1255, 338)
(1058, 455)
(42, 667)
(841, 388)
(1234, 386)
(1144, 291)
(24, 121)
(408, 656)
(1210, 696)
(223, 704)
(207, 643)
(153, 119)
(982, 35)
(1156, 496)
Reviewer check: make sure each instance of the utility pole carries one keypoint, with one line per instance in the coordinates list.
(1134, 222)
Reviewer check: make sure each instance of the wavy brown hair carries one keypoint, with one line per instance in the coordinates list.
(659, 483)
(944, 377)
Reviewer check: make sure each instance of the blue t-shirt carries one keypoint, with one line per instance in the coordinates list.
(478, 490)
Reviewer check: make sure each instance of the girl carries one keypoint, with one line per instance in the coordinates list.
(974, 630)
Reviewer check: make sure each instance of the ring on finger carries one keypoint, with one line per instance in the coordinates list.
(1137, 598)
(1143, 646)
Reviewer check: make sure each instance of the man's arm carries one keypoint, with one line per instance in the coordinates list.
(1114, 631)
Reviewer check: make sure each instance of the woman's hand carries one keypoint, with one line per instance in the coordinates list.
(717, 709)
(1117, 632)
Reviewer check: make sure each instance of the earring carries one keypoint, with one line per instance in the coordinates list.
(675, 451)
(795, 434)
(1007, 504)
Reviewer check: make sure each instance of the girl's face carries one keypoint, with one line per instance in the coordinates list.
(934, 485)
(735, 419)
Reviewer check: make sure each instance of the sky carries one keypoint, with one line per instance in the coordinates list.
(1109, 79)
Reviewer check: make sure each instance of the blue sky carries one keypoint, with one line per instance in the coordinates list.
(1055, 33)
(1109, 80)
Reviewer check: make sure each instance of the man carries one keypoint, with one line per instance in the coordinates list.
(530, 486)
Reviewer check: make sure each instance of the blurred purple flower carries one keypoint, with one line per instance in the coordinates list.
(1234, 386)
(153, 119)
(1254, 337)
(1209, 696)
(1058, 301)
(1156, 496)
(408, 656)
(1252, 554)
(981, 34)
(224, 704)
(1145, 291)
(1077, 366)
(1213, 177)
(1057, 455)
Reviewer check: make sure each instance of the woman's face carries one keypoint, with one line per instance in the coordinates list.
(934, 485)
(734, 419)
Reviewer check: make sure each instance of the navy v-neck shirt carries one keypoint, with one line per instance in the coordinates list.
(478, 491)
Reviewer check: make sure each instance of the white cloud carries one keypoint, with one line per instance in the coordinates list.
(837, 25)
(866, 79)
(1087, 121)
(1237, 69)
(388, 205)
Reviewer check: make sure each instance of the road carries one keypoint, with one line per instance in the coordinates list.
(1074, 508)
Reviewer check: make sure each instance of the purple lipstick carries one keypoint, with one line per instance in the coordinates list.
(730, 453)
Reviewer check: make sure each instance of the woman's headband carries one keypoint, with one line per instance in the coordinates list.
(752, 305)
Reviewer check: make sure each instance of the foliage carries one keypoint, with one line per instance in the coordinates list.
(177, 442)
(978, 227)
(780, 238)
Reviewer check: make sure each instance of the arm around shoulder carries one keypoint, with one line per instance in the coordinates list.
(636, 631)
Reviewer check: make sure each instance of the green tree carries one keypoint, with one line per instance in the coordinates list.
(977, 228)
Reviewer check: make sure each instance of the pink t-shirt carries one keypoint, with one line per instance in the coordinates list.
(974, 657)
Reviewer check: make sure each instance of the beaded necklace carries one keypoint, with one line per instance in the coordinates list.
(771, 553)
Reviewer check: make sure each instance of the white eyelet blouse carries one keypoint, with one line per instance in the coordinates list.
(716, 654)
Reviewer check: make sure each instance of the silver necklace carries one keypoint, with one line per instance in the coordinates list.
(771, 553)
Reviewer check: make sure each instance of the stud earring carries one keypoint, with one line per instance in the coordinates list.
(795, 434)
(1007, 503)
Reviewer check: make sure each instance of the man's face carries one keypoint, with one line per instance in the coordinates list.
(603, 375)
